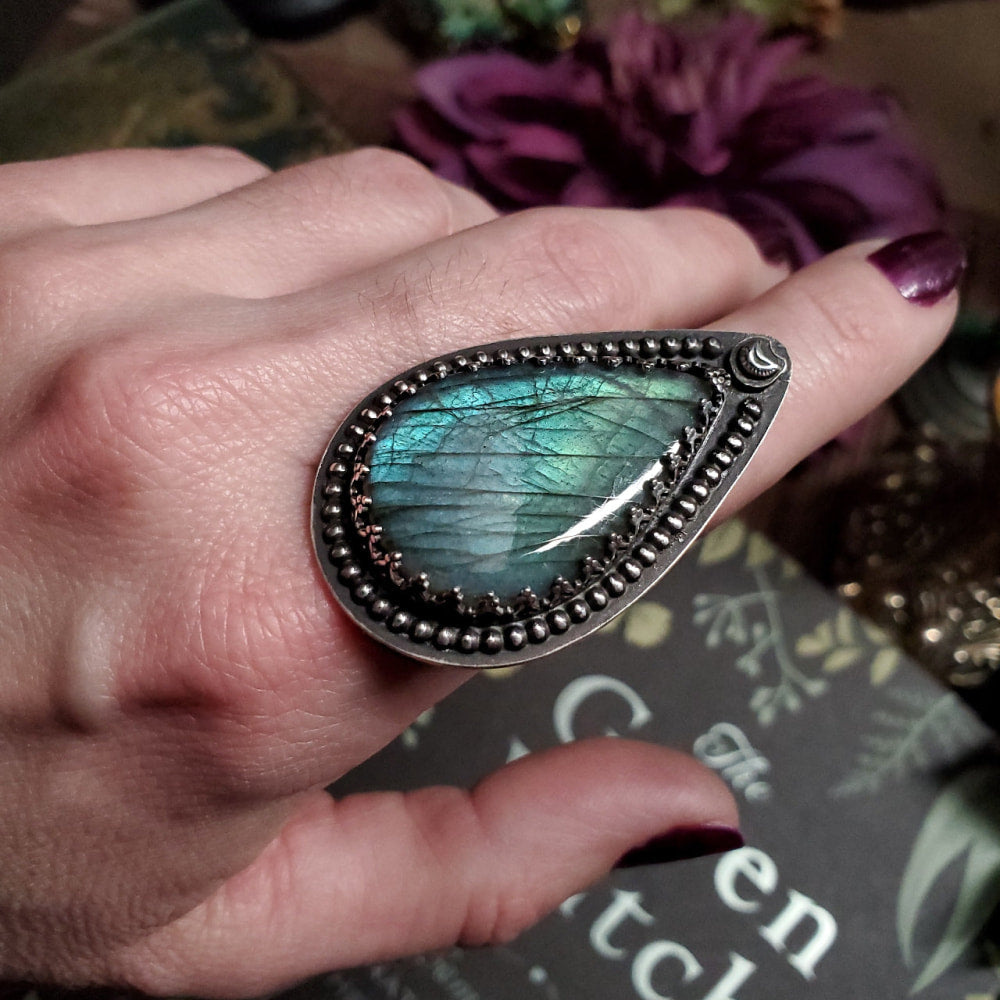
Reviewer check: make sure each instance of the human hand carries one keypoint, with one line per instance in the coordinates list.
(181, 333)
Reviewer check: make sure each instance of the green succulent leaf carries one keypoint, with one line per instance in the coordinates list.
(964, 823)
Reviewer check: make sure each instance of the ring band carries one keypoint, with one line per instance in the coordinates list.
(496, 504)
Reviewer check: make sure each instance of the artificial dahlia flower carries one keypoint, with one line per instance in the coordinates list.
(653, 115)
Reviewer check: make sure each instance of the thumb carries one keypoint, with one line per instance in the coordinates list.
(384, 874)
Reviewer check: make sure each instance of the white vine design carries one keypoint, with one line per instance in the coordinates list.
(754, 620)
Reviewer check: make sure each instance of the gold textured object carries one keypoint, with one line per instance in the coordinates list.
(920, 555)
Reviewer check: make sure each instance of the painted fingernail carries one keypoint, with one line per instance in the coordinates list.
(924, 267)
(681, 843)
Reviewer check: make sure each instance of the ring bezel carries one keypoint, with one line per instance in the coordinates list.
(400, 609)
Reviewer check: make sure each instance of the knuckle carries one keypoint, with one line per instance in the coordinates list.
(576, 263)
(851, 330)
(499, 918)
(411, 185)
(225, 154)
(95, 391)
(50, 281)
(88, 438)
(213, 164)
(373, 178)
(858, 325)
(387, 167)
(717, 230)
(725, 246)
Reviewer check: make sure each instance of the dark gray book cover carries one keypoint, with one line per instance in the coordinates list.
(870, 800)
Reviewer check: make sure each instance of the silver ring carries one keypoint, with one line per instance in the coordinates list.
(496, 504)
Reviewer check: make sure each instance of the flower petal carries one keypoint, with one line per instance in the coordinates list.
(654, 114)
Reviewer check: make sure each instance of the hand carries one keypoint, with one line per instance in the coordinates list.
(181, 334)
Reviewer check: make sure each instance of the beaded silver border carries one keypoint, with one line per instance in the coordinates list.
(748, 375)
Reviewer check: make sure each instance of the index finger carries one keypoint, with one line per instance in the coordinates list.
(74, 190)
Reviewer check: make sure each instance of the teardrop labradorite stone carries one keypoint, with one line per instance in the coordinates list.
(506, 478)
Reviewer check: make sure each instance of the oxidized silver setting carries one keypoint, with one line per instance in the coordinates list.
(748, 375)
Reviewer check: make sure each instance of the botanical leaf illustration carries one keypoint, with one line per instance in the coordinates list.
(730, 539)
(884, 665)
(916, 732)
(759, 551)
(845, 640)
(754, 620)
(817, 642)
(410, 737)
(722, 543)
(502, 673)
(844, 627)
(645, 624)
(841, 659)
(962, 828)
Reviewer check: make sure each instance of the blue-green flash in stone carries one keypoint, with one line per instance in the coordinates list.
(490, 506)
(509, 478)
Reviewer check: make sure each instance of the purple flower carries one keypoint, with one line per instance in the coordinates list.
(652, 115)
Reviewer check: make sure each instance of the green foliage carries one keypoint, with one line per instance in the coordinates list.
(962, 828)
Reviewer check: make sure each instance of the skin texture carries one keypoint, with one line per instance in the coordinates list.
(180, 332)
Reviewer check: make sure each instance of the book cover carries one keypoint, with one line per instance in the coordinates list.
(870, 800)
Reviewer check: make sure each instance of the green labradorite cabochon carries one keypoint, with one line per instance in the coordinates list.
(494, 504)
(500, 479)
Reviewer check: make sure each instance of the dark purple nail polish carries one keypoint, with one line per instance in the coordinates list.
(682, 843)
(924, 267)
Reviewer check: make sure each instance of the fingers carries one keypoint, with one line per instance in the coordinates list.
(853, 339)
(285, 233)
(544, 272)
(381, 875)
(309, 224)
(78, 191)
(313, 356)
(279, 394)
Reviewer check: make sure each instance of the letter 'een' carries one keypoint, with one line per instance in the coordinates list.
(496, 504)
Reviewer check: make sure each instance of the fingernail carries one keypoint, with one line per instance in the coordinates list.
(924, 267)
(682, 843)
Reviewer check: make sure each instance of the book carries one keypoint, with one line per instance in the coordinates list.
(870, 800)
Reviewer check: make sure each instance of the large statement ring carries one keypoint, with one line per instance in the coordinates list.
(496, 504)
